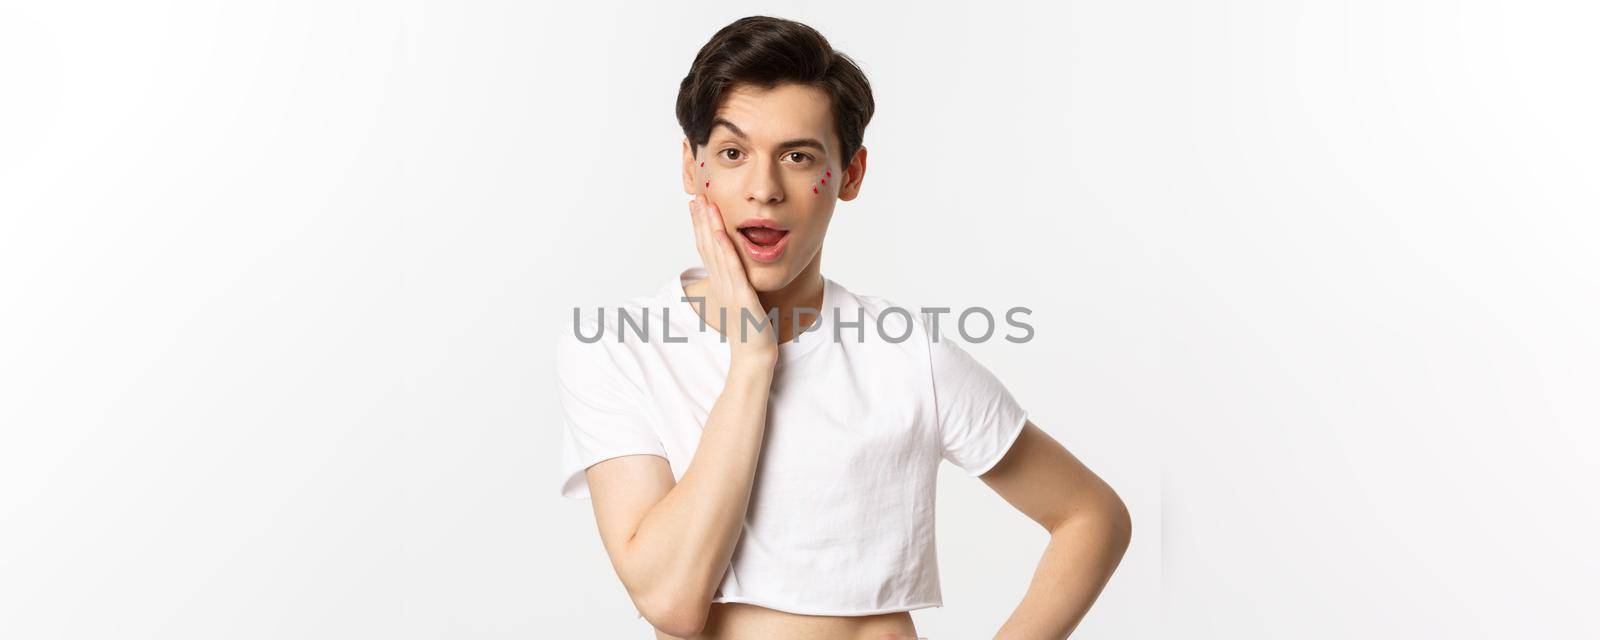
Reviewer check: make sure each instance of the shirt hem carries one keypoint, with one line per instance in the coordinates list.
(1006, 448)
(820, 612)
(571, 492)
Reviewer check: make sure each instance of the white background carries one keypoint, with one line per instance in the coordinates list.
(1314, 284)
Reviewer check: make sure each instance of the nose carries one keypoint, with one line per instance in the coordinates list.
(766, 187)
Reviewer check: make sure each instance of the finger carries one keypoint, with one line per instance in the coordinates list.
(702, 237)
(716, 260)
(736, 269)
(726, 255)
(711, 257)
(722, 243)
(728, 260)
(740, 293)
(736, 292)
(713, 253)
(694, 219)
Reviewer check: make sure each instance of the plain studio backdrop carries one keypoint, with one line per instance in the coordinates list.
(1314, 286)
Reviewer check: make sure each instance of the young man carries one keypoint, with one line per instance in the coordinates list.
(762, 456)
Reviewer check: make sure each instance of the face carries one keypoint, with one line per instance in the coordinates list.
(773, 158)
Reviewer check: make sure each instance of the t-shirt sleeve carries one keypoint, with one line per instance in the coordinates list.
(978, 417)
(602, 411)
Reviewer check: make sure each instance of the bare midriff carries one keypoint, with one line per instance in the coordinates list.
(736, 621)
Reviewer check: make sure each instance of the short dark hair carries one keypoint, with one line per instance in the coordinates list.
(766, 52)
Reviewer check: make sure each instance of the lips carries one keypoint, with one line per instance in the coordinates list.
(763, 236)
(762, 232)
(763, 240)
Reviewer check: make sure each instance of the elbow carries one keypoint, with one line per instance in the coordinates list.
(675, 614)
(1107, 519)
(1121, 523)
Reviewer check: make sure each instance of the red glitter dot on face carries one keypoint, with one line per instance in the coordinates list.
(824, 181)
(702, 163)
(813, 189)
(830, 171)
(708, 183)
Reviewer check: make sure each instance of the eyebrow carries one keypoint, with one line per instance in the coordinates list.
(719, 121)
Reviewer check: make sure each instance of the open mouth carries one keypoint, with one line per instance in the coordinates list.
(763, 236)
(763, 240)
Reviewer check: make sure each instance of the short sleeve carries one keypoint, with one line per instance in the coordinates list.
(602, 412)
(978, 417)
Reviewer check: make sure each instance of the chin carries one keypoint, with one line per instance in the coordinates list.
(767, 277)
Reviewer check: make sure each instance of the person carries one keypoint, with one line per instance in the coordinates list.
(762, 462)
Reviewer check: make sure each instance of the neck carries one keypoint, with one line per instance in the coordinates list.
(804, 292)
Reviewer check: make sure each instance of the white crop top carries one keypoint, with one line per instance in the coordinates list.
(841, 515)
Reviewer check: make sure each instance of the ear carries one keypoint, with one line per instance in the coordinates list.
(854, 173)
(690, 165)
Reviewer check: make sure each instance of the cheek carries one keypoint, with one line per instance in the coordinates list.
(708, 185)
(821, 186)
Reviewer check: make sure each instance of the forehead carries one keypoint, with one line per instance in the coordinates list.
(784, 112)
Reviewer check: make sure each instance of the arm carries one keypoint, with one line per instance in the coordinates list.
(671, 544)
(1089, 531)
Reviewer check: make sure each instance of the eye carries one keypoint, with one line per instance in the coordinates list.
(725, 153)
(805, 157)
